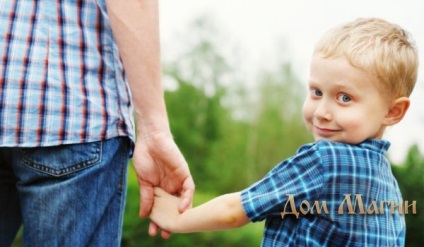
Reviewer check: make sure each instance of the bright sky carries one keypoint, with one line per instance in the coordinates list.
(257, 27)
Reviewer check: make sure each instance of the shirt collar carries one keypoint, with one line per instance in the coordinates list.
(376, 145)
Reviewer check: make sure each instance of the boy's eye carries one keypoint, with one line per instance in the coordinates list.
(316, 92)
(344, 98)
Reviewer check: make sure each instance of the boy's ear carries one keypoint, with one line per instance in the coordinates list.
(397, 111)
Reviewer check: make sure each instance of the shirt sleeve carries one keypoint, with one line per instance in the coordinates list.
(300, 176)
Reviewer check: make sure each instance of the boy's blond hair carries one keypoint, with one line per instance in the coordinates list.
(375, 46)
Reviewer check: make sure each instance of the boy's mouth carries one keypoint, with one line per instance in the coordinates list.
(322, 131)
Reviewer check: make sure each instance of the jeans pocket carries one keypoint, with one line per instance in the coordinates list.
(63, 160)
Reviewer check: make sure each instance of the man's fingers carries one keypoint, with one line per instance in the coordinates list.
(187, 197)
(146, 199)
(184, 204)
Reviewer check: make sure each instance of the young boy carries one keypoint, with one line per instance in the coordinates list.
(339, 190)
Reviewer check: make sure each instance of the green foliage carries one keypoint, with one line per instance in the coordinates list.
(410, 176)
(277, 130)
(217, 146)
(203, 112)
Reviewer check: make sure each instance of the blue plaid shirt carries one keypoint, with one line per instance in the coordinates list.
(61, 79)
(321, 172)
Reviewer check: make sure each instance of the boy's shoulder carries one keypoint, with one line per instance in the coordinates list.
(332, 148)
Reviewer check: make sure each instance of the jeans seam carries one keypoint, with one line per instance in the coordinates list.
(121, 187)
(78, 166)
(123, 167)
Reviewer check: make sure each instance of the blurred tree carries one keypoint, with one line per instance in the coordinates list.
(217, 145)
(271, 132)
(195, 110)
(195, 123)
(277, 130)
(410, 176)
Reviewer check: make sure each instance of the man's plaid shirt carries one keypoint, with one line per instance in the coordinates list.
(61, 79)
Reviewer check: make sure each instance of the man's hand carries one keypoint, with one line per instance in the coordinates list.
(159, 163)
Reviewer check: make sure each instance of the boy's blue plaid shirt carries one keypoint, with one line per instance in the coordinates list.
(61, 79)
(325, 172)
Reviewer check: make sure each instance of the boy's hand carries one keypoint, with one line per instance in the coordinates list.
(165, 211)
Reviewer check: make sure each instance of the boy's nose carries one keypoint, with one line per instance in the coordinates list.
(323, 111)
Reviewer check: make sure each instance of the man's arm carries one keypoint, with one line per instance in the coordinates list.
(135, 25)
(157, 159)
(221, 213)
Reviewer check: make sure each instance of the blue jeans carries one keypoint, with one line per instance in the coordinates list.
(69, 195)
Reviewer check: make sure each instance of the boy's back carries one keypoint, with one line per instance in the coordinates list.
(329, 194)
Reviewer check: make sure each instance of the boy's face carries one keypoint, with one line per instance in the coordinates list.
(344, 103)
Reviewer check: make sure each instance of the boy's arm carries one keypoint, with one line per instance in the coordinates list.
(221, 213)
